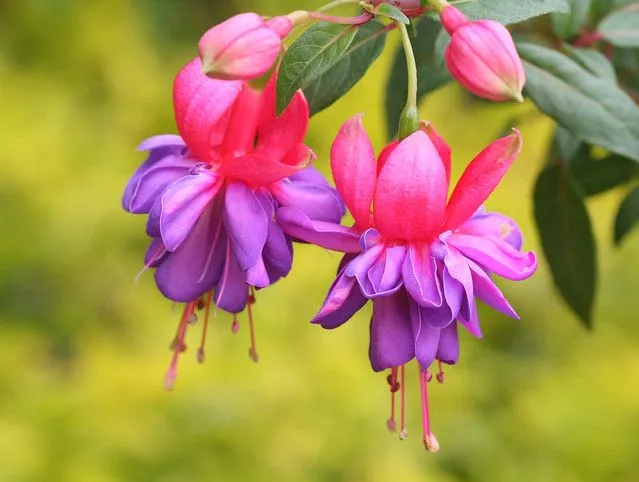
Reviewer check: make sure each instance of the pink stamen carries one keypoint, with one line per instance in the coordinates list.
(235, 326)
(403, 433)
(253, 349)
(205, 327)
(394, 387)
(429, 439)
(178, 345)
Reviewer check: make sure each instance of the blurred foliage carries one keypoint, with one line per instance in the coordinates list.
(83, 348)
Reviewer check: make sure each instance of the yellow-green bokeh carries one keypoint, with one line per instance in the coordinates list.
(83, 349)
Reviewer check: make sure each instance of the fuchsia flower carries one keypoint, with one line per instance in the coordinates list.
(212, 194)
(421, 259)
(244, 47)
(482, 57)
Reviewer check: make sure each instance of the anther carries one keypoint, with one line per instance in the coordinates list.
(235, 326)
(192, 319)
(430, 443)
(440, 372)
(403, 432)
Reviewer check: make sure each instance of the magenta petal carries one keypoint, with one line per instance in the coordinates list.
(163, 166)
(182, 204)
(246, 223)
(420, 276)
(426, 338)
(391, 342)
(496, 256)
(410, 198)
(259, 169)
(231, 293)
(318, 202)
(327, 235)
(448, 350)
(195, 267)
(342, 302)
(489, 293)
(472, 325)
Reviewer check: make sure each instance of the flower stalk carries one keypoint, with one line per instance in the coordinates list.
(409, 119)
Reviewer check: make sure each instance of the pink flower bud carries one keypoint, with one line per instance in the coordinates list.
(244, 47)
(482, 57)
(411, 8)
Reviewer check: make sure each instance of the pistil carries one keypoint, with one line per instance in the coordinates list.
(253, 349)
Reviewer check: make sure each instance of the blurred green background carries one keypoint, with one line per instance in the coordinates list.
(83, 349)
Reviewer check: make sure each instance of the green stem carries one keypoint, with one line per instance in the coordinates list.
(438, 5)
(336, 3)
(409, 120)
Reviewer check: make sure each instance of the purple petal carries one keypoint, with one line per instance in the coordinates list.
(278, 250)
(494, 225)
(163, 140)
(360, 267)
(457, 267)
(370, 238)
(310, 175)
(420, 276)
(182, 205)
(391, 342)
(385, 276)
(162, 167)
(448, 350)
(495, 255)
(246, 223)
(195, 267)
(342, 302)
(318, 202)
(327, 235)
(257, 275)
(231, 293)
(155, 253)
(426, 338)
(489, 293)
(472, 325)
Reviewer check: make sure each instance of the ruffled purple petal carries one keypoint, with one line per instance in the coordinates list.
(494, 225)
(457, 267)
(385, 277)
(182, 205)
(310, 175)
(363, 264)
(317, 201)
(162, 140)
(231, 292)
(195, 267)
(164, 165)
(426, 338)
(257, 275)
(391, 343)
(448, 350)
(327, 235)
(489, 293)
(495, 255)
(343, 300)
(246, 223)
(420, 276)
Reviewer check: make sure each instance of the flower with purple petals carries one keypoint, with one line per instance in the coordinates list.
(212, 194)
(422, 258)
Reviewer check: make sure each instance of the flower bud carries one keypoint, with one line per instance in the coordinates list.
(482, 57)
(244, 47)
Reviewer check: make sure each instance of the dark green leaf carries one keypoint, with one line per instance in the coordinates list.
(431, 76)
(508, 11)
(568, 149)
(621, 28)
(595, 110)
(365, 49)
(313, 53)
(567, 25)
(392, 12)
(567, 239)
(601, 7)
(597, 176)
(628, 215)
(593, 61)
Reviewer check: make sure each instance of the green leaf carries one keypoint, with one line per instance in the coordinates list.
(621, 28)
(313, 53)
(568, 149)
(597, 176)
(593, 61)
(509, 11)
(567, 239)
(628, 215)
(392, 12)
(567, 25)
(337, 81)
(431, 75)
(595, 110)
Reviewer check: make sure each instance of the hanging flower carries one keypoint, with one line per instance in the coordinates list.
(212, 194)
(421, 259)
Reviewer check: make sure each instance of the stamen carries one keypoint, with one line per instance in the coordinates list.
(394, 388)
(403, 433)
(235, 326)
(205, 327)
(253, 349)
(178, 346)
(429, 439)
(440, 372)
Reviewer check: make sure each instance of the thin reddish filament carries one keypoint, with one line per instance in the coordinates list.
(425, 415)
(393, 390)
(205, 327)
(403, 432)
(253, 350)
(179, 345)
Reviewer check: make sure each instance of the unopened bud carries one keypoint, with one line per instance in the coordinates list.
(482, 57)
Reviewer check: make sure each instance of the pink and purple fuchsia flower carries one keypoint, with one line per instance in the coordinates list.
(212, 194)
(421, 258)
